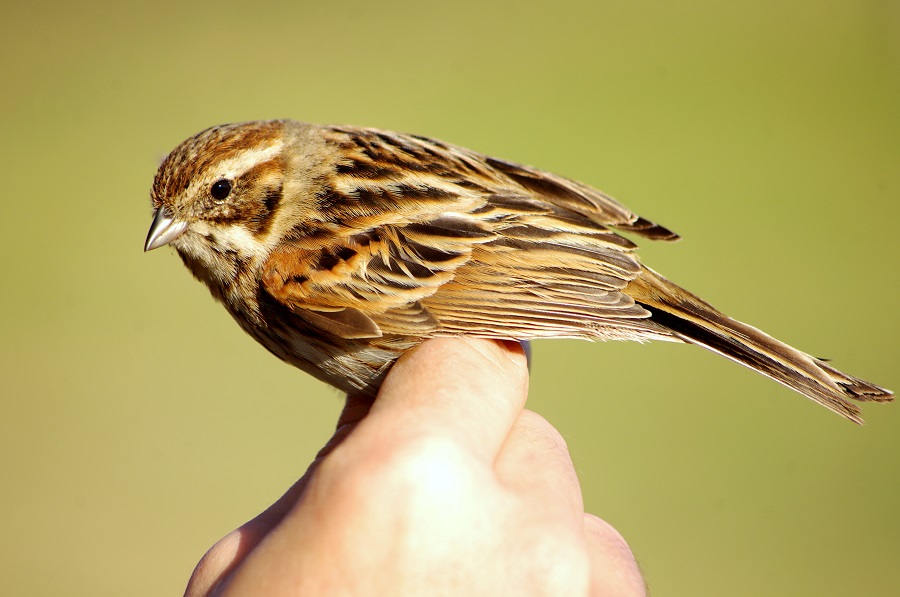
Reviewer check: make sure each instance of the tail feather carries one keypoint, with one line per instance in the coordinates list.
(691, 319)
(861, 390)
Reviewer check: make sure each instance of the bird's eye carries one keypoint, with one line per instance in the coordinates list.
(220, 189)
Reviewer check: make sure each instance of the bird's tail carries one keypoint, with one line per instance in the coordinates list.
(691, 319)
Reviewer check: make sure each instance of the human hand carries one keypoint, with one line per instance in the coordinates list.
(448, 486)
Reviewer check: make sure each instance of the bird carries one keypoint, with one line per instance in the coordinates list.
(338, 248)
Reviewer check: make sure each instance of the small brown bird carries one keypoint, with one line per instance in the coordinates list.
(338, 248)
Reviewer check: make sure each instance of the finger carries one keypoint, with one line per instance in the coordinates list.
(535, 462)
(231, 550)
(466, 389)
(216, 565)
(355, 409)
(614, 571)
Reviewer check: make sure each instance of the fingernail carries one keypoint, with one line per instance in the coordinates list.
(526, 348)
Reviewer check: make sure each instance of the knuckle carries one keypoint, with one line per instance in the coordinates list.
(559, 564)
(422, 468)
(615, 549)
(427, 463)
(540, 430)
(610, 538)
(212, 568)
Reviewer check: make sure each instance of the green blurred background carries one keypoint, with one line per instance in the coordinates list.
(139, 424)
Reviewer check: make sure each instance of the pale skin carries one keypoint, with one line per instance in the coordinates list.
(444, 486)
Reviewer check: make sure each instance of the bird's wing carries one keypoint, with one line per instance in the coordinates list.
(416, 237)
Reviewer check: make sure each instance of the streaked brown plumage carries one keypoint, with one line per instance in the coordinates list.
(338, 248)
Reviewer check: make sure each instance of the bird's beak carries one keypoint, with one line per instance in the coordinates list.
(163, 230)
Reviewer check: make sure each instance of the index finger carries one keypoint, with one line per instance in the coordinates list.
(467, 389)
